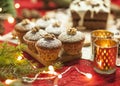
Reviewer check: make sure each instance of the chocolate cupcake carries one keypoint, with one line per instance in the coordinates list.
(48, 49)
(72, 41)
(32, 36)
(56, 28)
(22, 28)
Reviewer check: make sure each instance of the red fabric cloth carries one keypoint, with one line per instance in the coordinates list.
(73, 78)
(8, 27)
(117, 2)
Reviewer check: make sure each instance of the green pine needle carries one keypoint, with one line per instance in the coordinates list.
(11, 68)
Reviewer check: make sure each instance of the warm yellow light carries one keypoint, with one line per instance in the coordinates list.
(100, 63)
(17, 5)
(19, 58)
(0, 9)
(88, 75)
(34, 66)
(59, 76)
(10, 19)
(51, 70)
(9, 81)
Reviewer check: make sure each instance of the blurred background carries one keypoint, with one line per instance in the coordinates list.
(16, 10)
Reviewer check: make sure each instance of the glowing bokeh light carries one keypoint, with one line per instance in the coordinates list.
(11, 19)
(88, 75)
(0, 9)
(17, 5)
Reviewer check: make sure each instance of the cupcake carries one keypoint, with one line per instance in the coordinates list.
(56, 28)
(48, 49)
(72, 41)
(23, 27)
(32, 36)
(62, 15)
(44, 22)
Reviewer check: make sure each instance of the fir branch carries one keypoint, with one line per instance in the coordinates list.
(11, 68)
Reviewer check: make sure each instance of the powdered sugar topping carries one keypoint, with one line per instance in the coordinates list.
(49, 43)
(64, 37)
(35, 36)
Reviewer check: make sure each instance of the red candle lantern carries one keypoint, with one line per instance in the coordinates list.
(98, 34)
(105, 54)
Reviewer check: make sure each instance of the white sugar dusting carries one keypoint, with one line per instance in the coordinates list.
(44, 23)
(49, 43)
(55, 30)
(64, 37)
(35, 36)
(26, 27)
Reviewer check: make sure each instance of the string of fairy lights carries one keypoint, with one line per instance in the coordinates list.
(56, 76)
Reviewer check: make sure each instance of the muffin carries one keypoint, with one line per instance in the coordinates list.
(56, 28)
(23, 27)
(63, 15)
(44, 22)
(72, 41)
(32, 36)
(48, 49)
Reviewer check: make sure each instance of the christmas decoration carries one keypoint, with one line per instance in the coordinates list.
(56, 76)
(12, 62)
(7, 10)
(7, 7)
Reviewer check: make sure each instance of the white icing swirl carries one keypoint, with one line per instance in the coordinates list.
(35, 36)
(54, 43)
(64, 37)
(80, 5)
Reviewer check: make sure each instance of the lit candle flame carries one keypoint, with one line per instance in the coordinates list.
(100, 63)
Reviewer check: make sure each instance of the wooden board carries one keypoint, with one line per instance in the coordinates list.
(63, 57)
